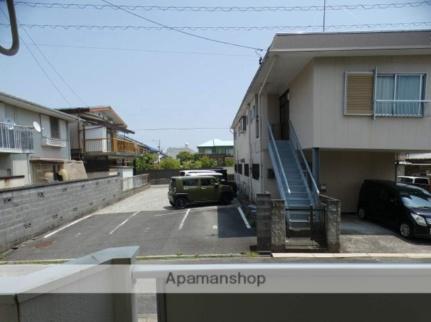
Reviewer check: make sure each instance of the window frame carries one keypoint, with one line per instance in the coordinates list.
(422, 92)
(56, 120)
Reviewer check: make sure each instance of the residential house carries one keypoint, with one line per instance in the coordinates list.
(327, 110)
(219, 150)
(34, 142)
(99, 138)
(173, 152)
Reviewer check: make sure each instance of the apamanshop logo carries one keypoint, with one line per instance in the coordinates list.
(235, 279)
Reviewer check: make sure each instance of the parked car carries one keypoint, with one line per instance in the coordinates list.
(404, 207)
(189, 190)
(422, 182)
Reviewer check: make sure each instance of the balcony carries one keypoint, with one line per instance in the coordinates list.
(114, 145)
(16, 139)
(400, 108)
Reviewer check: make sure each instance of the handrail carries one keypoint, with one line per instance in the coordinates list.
(295, 141)
(272, 141)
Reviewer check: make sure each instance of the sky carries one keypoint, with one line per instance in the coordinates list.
(162, 79)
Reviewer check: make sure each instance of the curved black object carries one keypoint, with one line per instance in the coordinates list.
(14, 30)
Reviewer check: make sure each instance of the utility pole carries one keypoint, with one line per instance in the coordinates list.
(324, 16)
(160, 153)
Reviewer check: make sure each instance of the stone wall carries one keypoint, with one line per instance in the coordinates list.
(27, 212)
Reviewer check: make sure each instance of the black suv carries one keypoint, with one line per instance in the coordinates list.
(404, 207)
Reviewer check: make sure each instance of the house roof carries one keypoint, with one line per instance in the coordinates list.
(34, 107)
(216, 142)
(288, 54)
(172, 152)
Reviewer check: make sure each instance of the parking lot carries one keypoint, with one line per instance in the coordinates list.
(147, 220)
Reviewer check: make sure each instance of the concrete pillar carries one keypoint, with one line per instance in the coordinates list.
(263, 221)
(332, 225)
(278, 226)
(315, 156)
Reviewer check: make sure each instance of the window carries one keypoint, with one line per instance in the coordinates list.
(207, 182)
(359, 88)
(246, 170)
(399, 95)
(255, 171)
(55, 127)
(240, 168)
(406, 180)
(191, 183)
(271, 174)
(243, 126)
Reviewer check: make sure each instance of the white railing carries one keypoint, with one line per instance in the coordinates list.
(15, 138)
(53, 142)
(400, 108)
(98, 145)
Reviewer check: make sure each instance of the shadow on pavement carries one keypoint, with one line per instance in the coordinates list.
(230, 224)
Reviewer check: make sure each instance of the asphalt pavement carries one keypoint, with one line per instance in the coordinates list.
(145, 219)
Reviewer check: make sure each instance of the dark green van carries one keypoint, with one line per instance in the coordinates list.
(184, 191)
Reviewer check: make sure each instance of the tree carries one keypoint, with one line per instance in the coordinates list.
(207, 162)
(229, 162)
(146, 162)
(170, 163)
(184, 156)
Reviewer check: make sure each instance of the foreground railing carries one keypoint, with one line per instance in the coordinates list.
(296, 145)
(15, 138)
(280, 175)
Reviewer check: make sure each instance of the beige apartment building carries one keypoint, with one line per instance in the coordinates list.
(327, 110)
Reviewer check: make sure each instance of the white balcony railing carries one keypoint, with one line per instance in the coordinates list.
(15, 138)
(400, 108)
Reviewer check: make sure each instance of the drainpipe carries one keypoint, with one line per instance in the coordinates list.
(262, 121)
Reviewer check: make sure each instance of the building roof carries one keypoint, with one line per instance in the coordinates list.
(418, 156)
(172, 152)
(288, 54)
(34, 107)
(216, 142)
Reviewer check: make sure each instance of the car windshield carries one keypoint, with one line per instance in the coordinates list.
(416, 199)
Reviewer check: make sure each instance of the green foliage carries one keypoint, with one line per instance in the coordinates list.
(229, 162)
(146, 162)
(170, 163)
(185, 156)
(207, 162)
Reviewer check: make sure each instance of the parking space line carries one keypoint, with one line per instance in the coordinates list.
(123, 223)
(66, 226)
(183, 220)
(243, 217)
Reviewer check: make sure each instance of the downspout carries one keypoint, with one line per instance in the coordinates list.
(262, 121)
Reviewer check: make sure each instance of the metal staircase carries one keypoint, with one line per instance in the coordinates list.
(295, 182)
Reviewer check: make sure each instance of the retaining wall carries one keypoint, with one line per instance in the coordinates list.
(27, 212)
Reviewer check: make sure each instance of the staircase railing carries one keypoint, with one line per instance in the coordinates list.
(296, 145)
(281, 178)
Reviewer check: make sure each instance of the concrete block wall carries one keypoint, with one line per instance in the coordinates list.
(27, 212)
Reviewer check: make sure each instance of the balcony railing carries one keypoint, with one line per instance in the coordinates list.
(400, 108)
(15, 138)
(110, 145)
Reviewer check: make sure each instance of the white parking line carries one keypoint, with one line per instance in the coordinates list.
(123, 222)
(183, 220)
(243, 218)
(66, 226)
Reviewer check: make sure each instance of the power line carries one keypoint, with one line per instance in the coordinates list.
(193, 35)
(41, 67)
(54, 69)
(183, 129)
(182, 29)
(224, 9)
(203, 53)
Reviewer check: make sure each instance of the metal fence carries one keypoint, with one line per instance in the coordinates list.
(15, 138)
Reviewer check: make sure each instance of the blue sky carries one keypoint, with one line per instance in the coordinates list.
(162, 79)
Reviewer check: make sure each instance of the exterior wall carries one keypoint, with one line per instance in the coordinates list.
(343, 172)
(301, 105)
(30, 211)
(334, 130)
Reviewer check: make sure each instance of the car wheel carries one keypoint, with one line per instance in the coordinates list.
(406, 230)
(180, 203)
(226, 199)
(361, 214)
